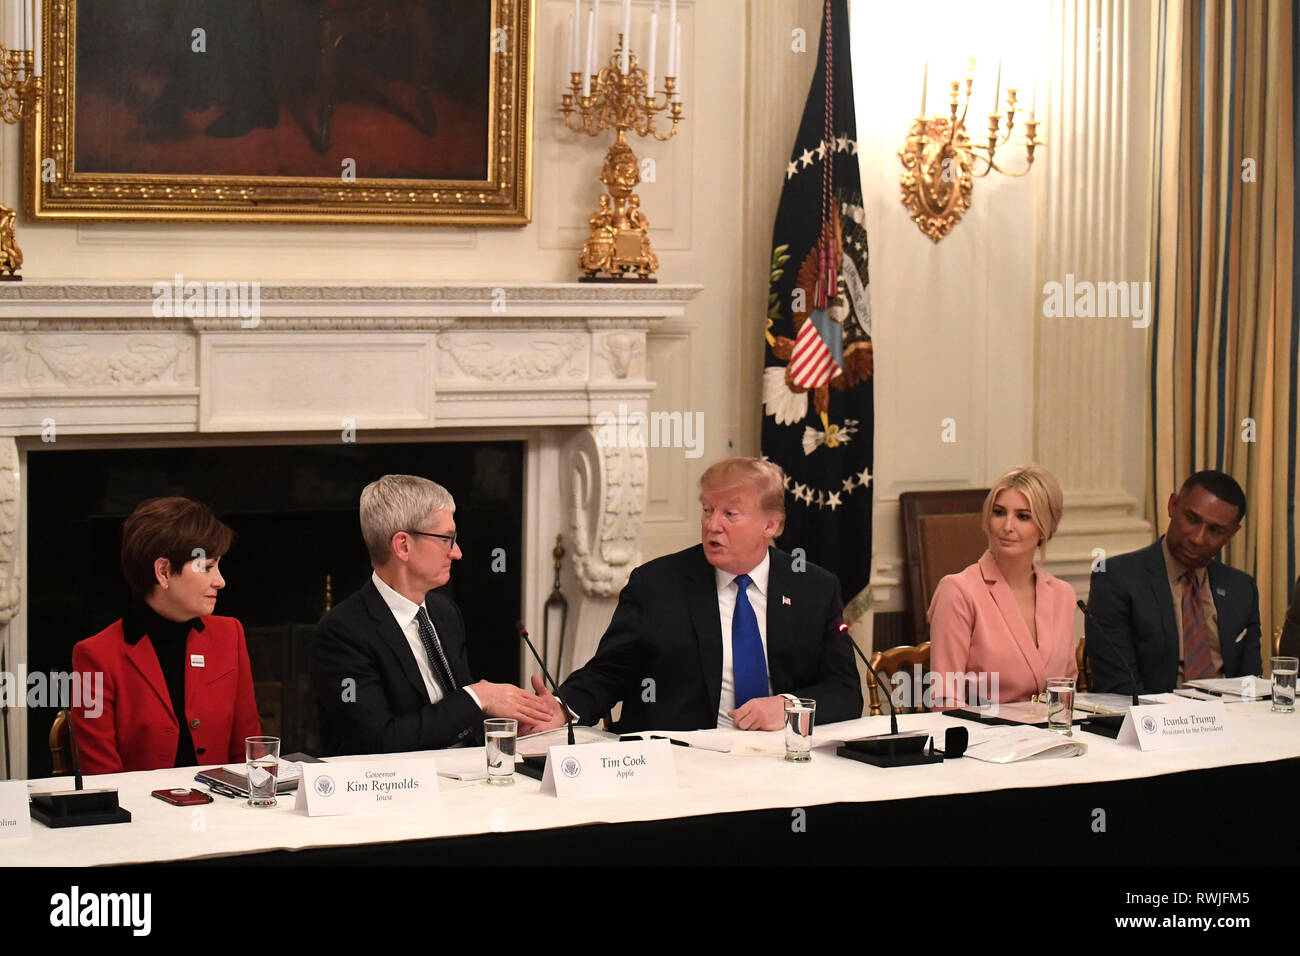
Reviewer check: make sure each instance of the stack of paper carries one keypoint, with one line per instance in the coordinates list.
(1232, 689)
(1006, 744)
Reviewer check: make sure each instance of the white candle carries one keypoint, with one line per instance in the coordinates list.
(681, 87)
(672, 38)
(27, 25)
(654, 43)
(595, 9)
(627, 35)
(997, 89)
(925, 85)
(591, 36)
(36, 36)
(574, 19)
(1033, 98)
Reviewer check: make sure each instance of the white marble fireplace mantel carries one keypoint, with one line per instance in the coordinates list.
(86, 362)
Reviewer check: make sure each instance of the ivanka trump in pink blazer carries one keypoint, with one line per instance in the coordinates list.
(976, 628)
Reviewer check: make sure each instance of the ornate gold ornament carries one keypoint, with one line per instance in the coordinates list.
(619, 243)
(20, 97)
(939, 159)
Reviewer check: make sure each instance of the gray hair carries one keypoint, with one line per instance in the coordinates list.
(398, 503)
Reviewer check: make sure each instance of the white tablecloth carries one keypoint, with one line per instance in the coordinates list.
(708, 783)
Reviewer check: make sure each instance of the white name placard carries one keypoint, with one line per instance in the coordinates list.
(368, 786)
(601, 770)
(15, 812)
(1174, 726)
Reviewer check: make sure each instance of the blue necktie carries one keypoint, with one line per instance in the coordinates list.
(748, 666)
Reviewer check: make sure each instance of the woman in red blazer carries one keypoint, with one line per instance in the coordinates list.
(168, 655)
(1004, 619)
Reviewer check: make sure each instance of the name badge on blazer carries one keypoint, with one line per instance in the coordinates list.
(196, 660)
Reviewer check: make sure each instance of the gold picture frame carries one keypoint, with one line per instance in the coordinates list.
(128, 161)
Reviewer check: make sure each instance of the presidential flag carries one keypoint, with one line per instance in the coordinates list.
(818, 415)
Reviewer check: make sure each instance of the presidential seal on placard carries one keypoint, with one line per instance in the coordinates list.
(571, 768)
(325, 786)
(1149, 725)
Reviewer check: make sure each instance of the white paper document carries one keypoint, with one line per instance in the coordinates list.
(1007, 744)
(536, 745)
(1243, 688)
(464, 763)
(1108, 705)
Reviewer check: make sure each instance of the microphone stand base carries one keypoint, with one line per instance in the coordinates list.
(533, 767)
(903, 750)
(1104, 726)
(78, 808)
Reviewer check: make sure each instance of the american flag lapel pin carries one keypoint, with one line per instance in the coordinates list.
(785, 600)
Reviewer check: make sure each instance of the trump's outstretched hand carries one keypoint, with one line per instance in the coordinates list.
(555, 712)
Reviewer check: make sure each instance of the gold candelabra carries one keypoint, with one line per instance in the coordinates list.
(939, 159)
(620, 241)
(20, 96)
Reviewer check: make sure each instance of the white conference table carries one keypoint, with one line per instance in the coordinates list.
(738, 785)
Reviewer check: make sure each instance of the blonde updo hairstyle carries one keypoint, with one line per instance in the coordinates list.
(1042, 490)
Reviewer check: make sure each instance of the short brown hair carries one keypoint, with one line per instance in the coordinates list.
(764, 477)
(170, 528)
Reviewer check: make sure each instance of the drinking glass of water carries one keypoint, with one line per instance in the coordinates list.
(799, 715)
(262, 755)
(1060, 705)
(499, 735)
(1284, 671)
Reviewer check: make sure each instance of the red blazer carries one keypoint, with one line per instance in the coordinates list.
(137, 729)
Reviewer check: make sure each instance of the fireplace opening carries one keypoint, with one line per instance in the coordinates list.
(299, 549)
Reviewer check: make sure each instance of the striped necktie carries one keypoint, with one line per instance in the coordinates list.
(1197, 661)
(433, 648)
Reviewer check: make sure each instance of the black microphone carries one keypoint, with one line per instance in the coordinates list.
(886, 750)
(568, 714)
(76, 752)
(1108, 725)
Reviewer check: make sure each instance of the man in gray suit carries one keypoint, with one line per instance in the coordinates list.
(1172, 612)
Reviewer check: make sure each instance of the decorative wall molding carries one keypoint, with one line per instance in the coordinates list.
(608, 487)
(10, 578)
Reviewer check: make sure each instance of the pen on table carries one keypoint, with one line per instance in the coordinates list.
(219, 788)
(629, 737)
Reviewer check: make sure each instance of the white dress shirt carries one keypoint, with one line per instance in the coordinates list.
(405, 612)
(757, 595)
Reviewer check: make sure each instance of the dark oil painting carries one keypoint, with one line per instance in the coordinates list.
(283, 88)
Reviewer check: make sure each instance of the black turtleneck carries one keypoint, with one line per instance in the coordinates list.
(168, 639)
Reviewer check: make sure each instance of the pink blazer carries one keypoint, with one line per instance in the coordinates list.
(976, 627)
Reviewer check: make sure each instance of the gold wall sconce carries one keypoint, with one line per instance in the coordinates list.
(20, 97)
(940, 161)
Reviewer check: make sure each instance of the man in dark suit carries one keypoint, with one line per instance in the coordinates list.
(721, 634)
(1290, 643)
(1171, 611)
(389, 664)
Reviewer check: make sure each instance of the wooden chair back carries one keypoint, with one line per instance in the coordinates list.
(943, 532)
(61, 745)
(889, 662)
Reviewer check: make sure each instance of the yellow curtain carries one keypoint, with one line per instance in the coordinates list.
(1224, 252)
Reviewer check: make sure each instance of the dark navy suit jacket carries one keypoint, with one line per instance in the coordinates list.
(369, 692)
(1134, 605)
(667, 631)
